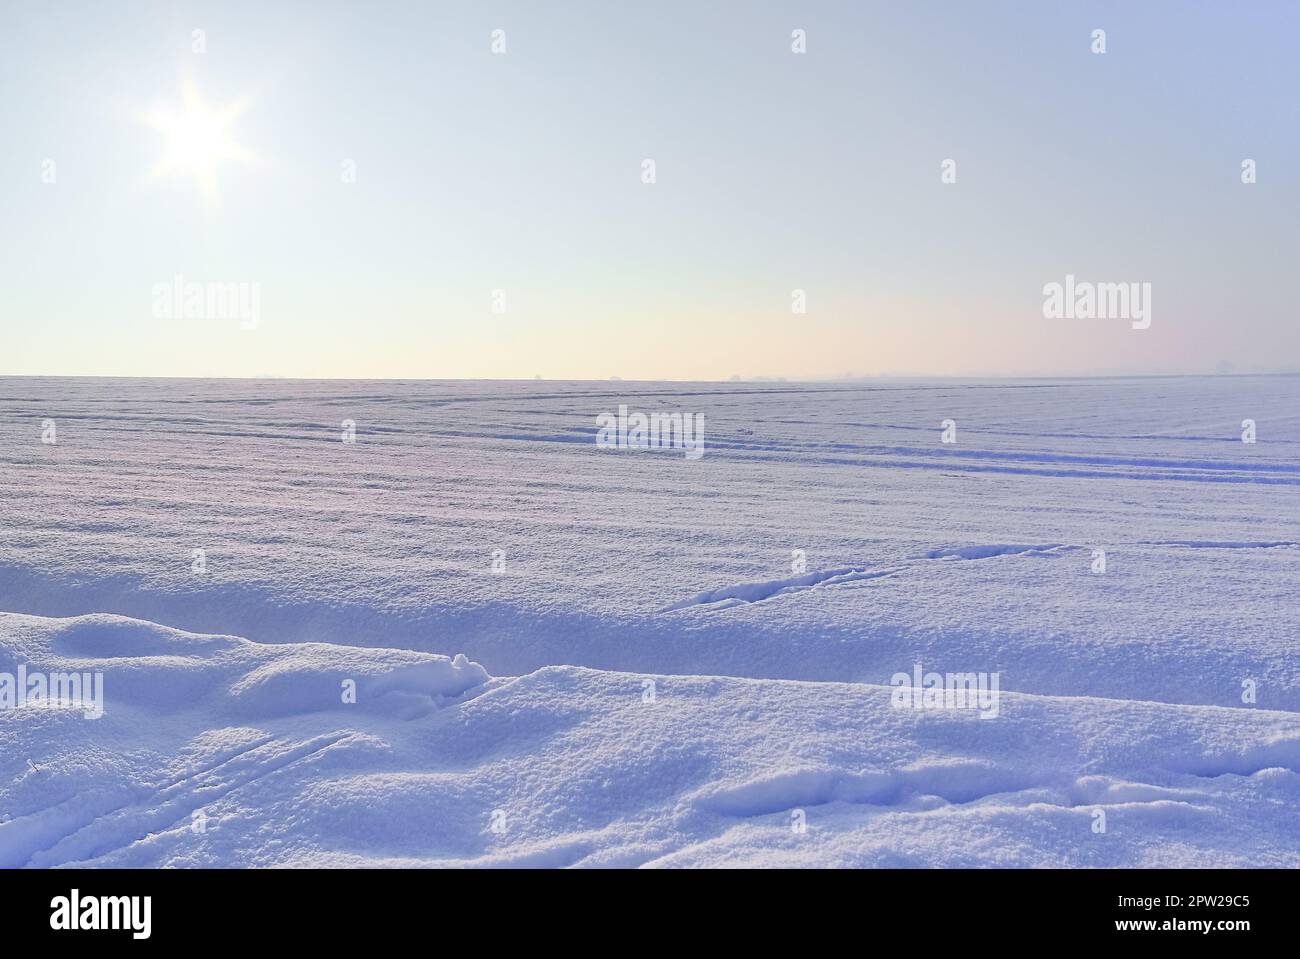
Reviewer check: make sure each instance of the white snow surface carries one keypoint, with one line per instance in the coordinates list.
(649, 681)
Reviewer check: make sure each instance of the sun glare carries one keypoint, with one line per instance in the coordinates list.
(197, 140)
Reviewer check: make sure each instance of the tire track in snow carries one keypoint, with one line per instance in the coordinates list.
(164, 808)
(40, 830)
(745, 593)
(964, 781)
(741, 594)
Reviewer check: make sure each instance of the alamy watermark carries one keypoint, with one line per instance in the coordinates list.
(1085, 300)
(33, 689)
(179, 300)
(653, 431)
(124, 913)
(922, 690)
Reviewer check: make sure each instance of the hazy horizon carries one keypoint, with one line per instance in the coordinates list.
(793, 380)
(408, 193)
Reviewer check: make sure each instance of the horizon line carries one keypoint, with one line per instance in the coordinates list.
(763, 380)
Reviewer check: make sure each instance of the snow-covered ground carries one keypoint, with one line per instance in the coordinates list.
(666, 660)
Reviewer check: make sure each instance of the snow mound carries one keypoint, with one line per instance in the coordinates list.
(259, 761)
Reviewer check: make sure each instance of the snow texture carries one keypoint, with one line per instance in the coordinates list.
(652, 675)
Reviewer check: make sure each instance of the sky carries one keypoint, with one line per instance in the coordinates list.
(404, 201)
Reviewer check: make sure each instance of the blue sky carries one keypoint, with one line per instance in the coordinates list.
(775, 171)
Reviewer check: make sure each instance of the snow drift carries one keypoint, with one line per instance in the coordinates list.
(473, 637)
(215, 751)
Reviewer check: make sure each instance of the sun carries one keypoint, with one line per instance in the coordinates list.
(197, 139)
